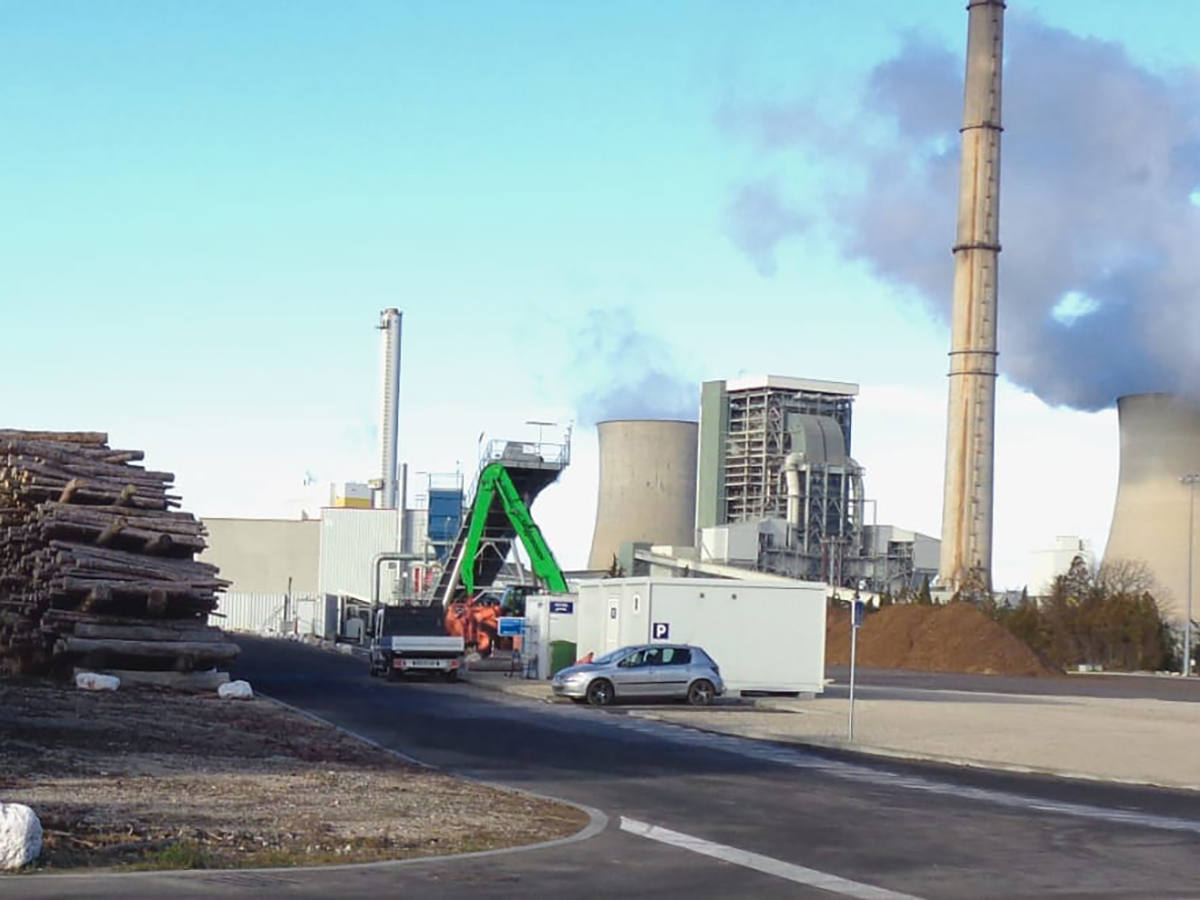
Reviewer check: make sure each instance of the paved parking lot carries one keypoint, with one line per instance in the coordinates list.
(1136, 740)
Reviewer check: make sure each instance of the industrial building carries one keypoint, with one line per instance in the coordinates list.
(775, 493)
(1053, 562)
(774, 448)
(779, 491)
(304, 576)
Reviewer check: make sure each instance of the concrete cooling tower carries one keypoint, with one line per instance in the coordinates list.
(1160, 443)
(647, 486)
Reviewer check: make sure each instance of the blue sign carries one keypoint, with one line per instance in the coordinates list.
(562, 606)
(856, 613)
(660, 631)
(510, 626)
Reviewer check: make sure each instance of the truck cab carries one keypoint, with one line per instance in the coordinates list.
(412, 639)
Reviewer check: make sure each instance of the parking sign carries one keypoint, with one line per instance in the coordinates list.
(660, 631)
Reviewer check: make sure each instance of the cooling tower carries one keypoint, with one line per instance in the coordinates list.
(1160, 443)
(647, 486)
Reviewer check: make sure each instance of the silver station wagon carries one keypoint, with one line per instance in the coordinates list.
(662, 671)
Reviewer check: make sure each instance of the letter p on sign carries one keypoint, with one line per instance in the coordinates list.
(660, 631)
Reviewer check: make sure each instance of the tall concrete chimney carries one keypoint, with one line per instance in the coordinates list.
(970, 438)
(389, 420)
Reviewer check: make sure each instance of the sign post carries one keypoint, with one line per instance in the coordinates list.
(856, 620)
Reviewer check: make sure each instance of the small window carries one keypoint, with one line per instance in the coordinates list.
(637, 602)
(676, 656)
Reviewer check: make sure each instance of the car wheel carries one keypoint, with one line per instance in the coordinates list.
(700, 693)
(600, 692)
(451, 675)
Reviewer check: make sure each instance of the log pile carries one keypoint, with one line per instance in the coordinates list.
(97, 563)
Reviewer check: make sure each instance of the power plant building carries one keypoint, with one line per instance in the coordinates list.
(776, 450)
(779, 492)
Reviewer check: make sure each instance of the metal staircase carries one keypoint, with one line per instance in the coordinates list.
(499, 515)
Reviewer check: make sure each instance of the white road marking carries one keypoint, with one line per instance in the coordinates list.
(766, 864)
(801, 759)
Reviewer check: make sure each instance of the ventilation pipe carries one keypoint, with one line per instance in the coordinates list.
(791, 471)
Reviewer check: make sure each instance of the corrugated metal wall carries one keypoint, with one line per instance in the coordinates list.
(350, 539)
(264, 613)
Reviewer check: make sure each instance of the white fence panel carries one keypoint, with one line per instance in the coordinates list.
(269, 613)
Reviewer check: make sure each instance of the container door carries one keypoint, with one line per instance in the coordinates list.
(612, 625)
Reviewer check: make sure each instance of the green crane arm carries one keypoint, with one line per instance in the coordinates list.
(493, 481)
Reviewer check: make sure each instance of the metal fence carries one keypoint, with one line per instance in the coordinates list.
(270, 613)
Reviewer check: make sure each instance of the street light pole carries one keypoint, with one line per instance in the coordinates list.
(1191, 480)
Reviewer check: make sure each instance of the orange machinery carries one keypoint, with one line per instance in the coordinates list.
(475, 621)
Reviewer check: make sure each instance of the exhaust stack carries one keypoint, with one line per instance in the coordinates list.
(389, 420)
(966, 559)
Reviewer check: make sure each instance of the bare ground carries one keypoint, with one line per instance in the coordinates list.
(147, 778)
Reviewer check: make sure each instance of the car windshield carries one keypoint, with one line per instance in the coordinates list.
(610, 657)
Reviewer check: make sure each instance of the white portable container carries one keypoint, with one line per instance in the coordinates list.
(765, 637)
(549, 618)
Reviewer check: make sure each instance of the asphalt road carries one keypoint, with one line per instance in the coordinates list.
(884, 683)
(692, 814)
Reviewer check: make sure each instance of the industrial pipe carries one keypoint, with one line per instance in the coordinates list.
(386, 556)
(791, 470)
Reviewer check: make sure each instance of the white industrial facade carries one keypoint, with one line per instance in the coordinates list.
(296, 576)
(350, 541)
(264, 556)
(765, 637)
(1052, 562)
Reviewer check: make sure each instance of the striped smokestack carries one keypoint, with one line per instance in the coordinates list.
(970, 435)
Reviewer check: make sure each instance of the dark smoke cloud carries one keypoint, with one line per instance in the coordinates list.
(1100, 272)
(759, 221)
(626, 373)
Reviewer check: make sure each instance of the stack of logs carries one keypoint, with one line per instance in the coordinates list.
(97, 564)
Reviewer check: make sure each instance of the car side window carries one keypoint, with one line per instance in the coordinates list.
(677, 656)
(633, 660)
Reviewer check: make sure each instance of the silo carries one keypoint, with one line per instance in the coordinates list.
(647, 485)
(1160, 443)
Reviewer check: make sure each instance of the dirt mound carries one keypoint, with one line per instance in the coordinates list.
(952, 638)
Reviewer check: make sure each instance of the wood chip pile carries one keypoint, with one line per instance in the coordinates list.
(97, 564)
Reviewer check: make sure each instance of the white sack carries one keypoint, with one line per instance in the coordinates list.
(91, 681)
(235, 690)
(20, 835)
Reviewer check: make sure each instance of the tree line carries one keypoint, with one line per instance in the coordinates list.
(1104, 617)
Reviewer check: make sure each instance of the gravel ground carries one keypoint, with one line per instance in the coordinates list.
(146, 778)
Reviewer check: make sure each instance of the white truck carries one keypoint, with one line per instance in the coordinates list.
(412, 640)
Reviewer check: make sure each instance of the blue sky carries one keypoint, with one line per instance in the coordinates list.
(206, 204)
